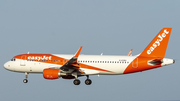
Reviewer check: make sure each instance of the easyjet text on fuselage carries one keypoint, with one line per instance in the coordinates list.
(39, 57)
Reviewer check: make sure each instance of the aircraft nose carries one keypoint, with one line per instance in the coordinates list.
(173, 61)
(7, 66)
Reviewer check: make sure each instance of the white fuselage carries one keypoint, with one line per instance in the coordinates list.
(115, 64)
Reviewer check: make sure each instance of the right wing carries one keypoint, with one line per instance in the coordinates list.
(72, 64)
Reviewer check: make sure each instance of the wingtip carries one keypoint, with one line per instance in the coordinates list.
(78, 52)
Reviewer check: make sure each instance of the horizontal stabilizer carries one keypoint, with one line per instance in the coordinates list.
(155, 62)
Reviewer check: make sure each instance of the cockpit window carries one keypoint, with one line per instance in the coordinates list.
(13, 59)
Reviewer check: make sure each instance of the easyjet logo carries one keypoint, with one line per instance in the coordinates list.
(39, 57)
(158, 41)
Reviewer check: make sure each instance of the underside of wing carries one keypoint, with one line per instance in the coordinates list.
(72, 65)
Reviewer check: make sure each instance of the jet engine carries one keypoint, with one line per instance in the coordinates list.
(51, 73)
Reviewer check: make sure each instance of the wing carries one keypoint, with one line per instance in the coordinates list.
(72, 64)
(130, 52)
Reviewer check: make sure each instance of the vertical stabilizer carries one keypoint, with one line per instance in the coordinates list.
(158, 46)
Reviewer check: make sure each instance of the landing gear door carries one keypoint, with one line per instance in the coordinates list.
(135, 63)
(23, 61)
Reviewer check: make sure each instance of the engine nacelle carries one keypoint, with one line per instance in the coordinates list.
(51, 73)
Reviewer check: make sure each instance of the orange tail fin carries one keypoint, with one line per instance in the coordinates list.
(157, 47)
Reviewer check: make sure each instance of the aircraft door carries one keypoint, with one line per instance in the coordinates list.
(135, 63)
(23, 61)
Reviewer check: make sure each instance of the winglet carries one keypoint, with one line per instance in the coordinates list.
(78, 52)
(130, 52)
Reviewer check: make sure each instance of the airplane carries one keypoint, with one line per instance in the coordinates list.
(55, 66)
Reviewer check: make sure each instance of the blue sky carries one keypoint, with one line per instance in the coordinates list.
(111, 27)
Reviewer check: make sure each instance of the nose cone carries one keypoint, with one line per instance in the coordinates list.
(8, 66)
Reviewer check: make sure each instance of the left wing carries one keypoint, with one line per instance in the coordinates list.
(72, 64)
(130, 52)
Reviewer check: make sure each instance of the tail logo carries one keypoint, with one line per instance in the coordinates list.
(157, 42)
